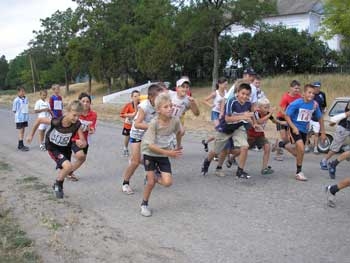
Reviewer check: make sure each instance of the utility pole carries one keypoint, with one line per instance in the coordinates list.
(32, 69)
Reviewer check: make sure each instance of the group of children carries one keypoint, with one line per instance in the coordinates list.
(154, 129)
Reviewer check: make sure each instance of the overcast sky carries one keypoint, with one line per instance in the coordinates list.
(19, 18)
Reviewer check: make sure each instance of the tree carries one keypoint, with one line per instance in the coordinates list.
(337, 19)
(211, 18)
(4, 68)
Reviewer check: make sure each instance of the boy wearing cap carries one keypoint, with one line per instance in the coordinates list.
(182, 102)
(320, 98)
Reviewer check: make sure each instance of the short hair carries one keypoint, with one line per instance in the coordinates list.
(153, 90)
(243, 85)
(294, 83)
(84, 95)
(134, 91)
(258, 77)
(263, 101)
(43, 91)
(161, 99)
(55, 86)
(308, 86)
(75, 105)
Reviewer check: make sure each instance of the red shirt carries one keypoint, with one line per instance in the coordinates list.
(252, 132)
(128, 108)
(88, 122)
(285, 101)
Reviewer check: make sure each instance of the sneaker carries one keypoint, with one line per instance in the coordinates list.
(145, 211)
(42, 147)
(127, 189)
(205, 167)
(307, 149)
(242, 175)
(220, 173)
(205, 144)
(300, 177)
(23, 148)
(126, 153)
(256, 149)
(229, 163)
(330, 197)
(323, 165)
(316, 151)
(332, 170)
(58, 191)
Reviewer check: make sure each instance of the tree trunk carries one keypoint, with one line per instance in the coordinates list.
(66, 77)
(90, 80)
(215, 73)
(109, 87)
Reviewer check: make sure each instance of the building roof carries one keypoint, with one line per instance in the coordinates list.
(290, 7)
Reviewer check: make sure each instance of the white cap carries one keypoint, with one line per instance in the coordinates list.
(182, 81)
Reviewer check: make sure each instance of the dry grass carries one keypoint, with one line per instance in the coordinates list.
(274, 87)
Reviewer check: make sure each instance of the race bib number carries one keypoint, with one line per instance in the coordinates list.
(24, 108)
(304, 115)
(85, 125)
(60, 139)
(128, 120)
(57, 105)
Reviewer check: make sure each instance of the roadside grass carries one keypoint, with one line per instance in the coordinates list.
(15, 247)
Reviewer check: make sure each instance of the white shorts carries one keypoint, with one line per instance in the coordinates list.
(43, 126)
(314, 126)
(339, 138)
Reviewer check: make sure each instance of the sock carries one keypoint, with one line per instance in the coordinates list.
(335, 162)
(144, 202)
(125, 182)
(218, 167)
(207, 161)
(20, 143)
(298, 168)
(333, 189)
(59, 183)
(239, 170)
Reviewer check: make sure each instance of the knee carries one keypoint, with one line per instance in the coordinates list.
(67, 166)
(167, 183)
(80, 156)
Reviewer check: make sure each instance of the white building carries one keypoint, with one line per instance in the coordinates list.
(304, 15)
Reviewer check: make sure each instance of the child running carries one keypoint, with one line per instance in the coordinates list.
(238, 115)
(157, 147)
(42, 107)
(128, 113)
(214, 101)
(298, 116)
(145, 114)
(88, 120)
(21, 111)
(59, 141)
(56, 103)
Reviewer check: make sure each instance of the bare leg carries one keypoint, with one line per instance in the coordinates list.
(266, 155)
(134, 161)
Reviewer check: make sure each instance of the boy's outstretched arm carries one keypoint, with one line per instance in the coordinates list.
(35, 127)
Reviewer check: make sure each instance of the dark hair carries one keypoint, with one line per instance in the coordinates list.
(294, 83)
(134, 91)
(20, 88)
(308, 86)
(153, 90)
(43, 91)
(221, 80)
(245, 86)
(83, 95)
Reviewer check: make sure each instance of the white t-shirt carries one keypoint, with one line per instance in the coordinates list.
(180, 105)
(149, 112)
(253, 94)
(217, 101)
(41, 104)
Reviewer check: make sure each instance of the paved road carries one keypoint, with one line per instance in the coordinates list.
(270, 218)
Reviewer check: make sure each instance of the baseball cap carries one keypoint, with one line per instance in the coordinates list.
(316, 84)
(182, 81)
(249, 71)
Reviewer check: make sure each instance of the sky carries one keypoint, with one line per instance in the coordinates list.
(19, 18)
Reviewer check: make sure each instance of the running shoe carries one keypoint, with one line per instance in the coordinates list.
(42, 147)
(323, 165)
(332, 169)
(23, 148)
(242, 175)
(300, 177)
(229, 162)
(205, 144)
(219, 172)
(205, 167)
(58, 191)
(330, 197)
(307, 149)
(126, 153)
(127, 189)
(145, 211)
(316, 151)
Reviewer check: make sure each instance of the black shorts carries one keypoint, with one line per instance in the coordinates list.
(300, 136)
(76, 148)
(20, 125)
(152, 162)
(132, 140)
(60, 156)
(279, 126)
(126, 132)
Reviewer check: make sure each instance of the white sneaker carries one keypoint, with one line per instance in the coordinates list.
(300, 177)
(127, 189)
(42, 147)
(145, 211)
(330, 197)
(307, 149)
(316, 150)
(126, 153)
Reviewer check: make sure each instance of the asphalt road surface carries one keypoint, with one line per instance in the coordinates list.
(268, 218)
